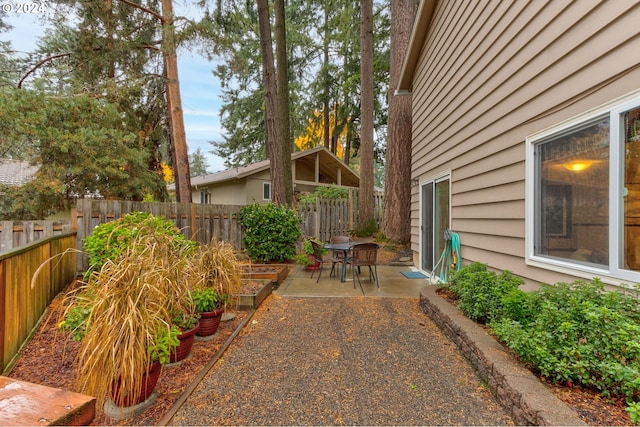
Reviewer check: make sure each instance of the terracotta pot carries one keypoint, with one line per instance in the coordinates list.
(313, 267)
(149, 381)
(186, 342)
(209, 322)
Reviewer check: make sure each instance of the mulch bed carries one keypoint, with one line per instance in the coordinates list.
(594, 409)
(48, 359)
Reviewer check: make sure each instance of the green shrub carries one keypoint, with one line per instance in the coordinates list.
(326, 192)
(581, 334)
(366, 230)
(481, 292)
(270, 232)
(110, 239)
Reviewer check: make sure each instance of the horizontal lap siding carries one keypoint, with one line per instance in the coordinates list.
(493, 72)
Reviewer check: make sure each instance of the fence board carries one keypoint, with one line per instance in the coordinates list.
(335, 217)
(14, 234)
(21, 305)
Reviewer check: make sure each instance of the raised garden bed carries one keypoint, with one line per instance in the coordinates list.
(253, 292)
(275, 272)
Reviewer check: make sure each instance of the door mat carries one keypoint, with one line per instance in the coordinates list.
(413, 275)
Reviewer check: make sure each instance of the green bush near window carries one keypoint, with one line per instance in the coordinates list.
(482, 292)
(580, 334)
(571, 333)
(270, 232)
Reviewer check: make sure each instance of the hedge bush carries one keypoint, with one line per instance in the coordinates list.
(481, 292)
(270, 232)
(580, 334)
(573, 333)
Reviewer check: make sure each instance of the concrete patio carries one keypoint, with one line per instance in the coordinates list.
(393, 283)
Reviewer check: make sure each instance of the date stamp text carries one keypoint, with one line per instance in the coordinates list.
(9, 7)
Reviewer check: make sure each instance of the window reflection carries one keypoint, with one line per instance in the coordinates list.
(572, 200)
(631, 191)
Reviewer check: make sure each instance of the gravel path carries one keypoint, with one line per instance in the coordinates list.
(341, 361)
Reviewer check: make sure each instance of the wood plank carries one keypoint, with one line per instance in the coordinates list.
(23, 403)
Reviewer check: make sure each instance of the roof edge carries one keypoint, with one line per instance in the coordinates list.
(418, 35)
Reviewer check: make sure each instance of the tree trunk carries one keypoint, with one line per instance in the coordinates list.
(396, 222)
(282, 76)
(367, 108)
(325, 82)
(176, 119)
(271, 113)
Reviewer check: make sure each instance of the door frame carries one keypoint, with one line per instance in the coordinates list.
(432, 180)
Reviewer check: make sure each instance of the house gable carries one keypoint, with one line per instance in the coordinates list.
(310, 169)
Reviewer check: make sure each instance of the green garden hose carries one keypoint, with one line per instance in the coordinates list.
(449, 260)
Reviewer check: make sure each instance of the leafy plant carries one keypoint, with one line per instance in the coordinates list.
(123, 315)
(366, 230)
(325, 192)
(109, 240)
(581, 334)
(206, 299)
(633, 409)
(305, 255)
(482, 293)
(270, 232)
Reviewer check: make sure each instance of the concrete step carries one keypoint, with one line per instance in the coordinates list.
(23, 403)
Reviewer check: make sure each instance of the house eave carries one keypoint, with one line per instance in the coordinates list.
(418, 35)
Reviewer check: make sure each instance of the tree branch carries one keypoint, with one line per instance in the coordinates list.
(40, 64)
(144, 9)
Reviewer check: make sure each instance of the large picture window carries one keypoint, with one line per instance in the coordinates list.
(585, 192)
(572, 203)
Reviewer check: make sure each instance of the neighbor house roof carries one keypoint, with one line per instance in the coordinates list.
(328, 161)
(16, 172)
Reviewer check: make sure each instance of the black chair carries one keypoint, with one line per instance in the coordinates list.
(320, 259)
(364, 255)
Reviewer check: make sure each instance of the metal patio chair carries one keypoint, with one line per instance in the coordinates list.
(364, 255)
(320, 258)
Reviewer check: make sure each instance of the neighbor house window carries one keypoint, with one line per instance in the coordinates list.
(266, 191)
(586, 194)
(205, 198)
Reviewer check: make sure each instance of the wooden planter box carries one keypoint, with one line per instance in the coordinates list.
(275, 272)
(253, 300)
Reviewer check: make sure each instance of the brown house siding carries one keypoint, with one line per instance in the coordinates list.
(489, 74)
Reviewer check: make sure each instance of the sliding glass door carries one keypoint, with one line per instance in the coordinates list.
(435, 213)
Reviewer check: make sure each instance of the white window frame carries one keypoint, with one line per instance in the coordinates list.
(613, 273)
(266, 185)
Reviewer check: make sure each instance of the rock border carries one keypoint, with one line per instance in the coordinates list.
(520, 392)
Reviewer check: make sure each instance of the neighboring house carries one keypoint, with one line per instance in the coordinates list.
(243, 185)
(526, 136)
(16, 172)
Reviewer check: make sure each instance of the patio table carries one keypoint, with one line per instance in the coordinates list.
(345, 247)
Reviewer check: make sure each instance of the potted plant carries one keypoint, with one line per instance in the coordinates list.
(306, 257)
(214, 275)
(210, 306)
(123, 317)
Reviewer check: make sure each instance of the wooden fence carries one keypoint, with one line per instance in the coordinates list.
(335, 217)
(196, 221)
(14, 234)
(21, 304)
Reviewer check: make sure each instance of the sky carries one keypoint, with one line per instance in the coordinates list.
(199, 88)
